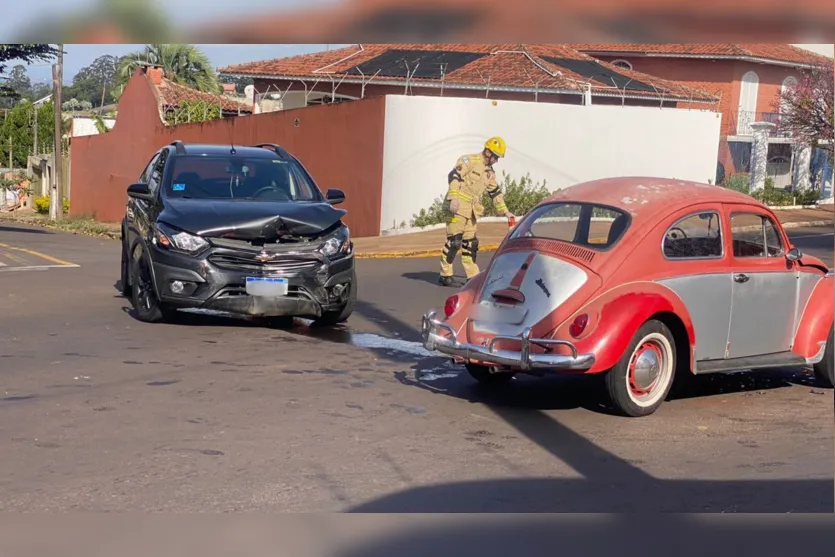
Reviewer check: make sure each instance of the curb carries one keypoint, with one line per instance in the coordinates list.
(414, 254)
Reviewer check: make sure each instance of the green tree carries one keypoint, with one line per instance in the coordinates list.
(184, 64)
(26, 53)
(95, 82)
(20, 127)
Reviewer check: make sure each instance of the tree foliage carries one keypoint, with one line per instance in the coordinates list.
(26, 53)
(807, 108)
(193, 111)
(95, 83)
(20, 127)
(184, 64)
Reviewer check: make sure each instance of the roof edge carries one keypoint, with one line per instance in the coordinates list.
(738, 57)
(476, 87)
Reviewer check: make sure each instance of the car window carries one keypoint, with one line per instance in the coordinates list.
(696, 236)
(586, 224)
(143, 179)
(238, 177)
(155, 177)
(755, 235)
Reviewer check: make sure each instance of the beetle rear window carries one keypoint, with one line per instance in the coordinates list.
(586, 224)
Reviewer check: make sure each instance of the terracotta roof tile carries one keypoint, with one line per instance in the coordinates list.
(172, 94)
(508, 65)
(774, 52)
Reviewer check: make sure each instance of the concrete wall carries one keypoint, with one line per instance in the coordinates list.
(562, 144)
(340, 145)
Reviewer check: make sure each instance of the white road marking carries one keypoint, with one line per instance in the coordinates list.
(36, 268)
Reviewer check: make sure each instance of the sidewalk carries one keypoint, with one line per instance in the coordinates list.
(418, 244)
(429, 243)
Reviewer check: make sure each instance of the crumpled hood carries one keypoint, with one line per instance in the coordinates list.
(249, 220)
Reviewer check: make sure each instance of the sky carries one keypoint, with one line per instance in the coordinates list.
(76, 56)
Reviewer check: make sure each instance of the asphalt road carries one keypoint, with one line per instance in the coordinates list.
(99, 412)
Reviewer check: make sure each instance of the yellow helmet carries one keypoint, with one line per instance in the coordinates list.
(496, 145)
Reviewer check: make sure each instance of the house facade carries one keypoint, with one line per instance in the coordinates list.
(521, 72)
(747, 79)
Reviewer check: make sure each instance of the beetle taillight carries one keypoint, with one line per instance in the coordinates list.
(451, 305)
(579, 325)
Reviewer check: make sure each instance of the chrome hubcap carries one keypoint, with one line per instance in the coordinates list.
(645, 369)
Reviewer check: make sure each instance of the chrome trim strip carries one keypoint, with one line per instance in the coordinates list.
(432, 341)
(817, 358)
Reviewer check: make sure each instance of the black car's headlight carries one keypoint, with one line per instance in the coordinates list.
(178, 240)
(337, 245)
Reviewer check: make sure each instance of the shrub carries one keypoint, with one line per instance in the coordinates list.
(771, 195)
(42, 205)
(520, 197)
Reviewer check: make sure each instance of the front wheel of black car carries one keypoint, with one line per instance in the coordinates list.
(124, 279)
(330, 318)
(146, 304)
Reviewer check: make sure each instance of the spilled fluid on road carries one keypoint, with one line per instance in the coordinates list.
(370, 341)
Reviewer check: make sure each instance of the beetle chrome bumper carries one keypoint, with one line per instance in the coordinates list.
(524, 360)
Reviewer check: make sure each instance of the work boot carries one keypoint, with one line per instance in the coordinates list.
(446, 281)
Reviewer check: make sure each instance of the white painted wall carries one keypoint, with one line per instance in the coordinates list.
(87, 126)
(562, 144)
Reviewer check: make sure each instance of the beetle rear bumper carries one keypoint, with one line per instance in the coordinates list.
(486, 355)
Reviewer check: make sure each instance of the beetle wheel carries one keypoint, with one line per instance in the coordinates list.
(641, 380)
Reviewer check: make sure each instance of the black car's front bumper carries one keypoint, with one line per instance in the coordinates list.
(216, 280)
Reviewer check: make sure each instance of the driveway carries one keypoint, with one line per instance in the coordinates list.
(99, 412)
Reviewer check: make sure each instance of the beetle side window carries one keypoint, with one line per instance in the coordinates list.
(755, 235)
(697, 236)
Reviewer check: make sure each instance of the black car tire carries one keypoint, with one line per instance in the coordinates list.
(331, 318)
(124, 281)
(825, 369)
(482, 375)
(142, 284)
(655, 339)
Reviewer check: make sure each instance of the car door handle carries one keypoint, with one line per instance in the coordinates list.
(741, 277)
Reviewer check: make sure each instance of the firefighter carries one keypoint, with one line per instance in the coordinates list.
(471, 177)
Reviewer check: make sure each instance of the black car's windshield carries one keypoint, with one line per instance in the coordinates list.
(585, 224)
(237, 177)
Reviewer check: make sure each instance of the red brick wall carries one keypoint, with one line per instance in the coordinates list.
(340, 145)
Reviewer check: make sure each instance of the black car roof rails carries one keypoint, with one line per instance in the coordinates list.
(179, 147)
(279, 150)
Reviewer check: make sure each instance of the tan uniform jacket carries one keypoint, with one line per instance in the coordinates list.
(468, 181)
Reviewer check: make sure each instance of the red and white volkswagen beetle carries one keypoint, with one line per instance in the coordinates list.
(641, 279)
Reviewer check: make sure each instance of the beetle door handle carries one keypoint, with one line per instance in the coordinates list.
(741, 277)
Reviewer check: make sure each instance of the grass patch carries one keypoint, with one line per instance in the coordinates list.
(85, 226)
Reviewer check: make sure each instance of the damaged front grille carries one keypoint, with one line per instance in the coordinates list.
(249, 263)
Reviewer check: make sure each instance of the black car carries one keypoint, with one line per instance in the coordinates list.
(241, 230)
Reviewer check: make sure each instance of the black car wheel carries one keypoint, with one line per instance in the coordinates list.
(145, 302)
(124, 279)
(825, 369)
(330, 318)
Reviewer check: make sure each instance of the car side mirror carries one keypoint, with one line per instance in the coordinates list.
(335, 197)
(139, 191)
(794, 254)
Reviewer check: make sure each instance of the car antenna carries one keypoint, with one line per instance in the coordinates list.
(231, 139)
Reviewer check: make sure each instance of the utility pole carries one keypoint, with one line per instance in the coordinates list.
(35, 132)
(55, 202)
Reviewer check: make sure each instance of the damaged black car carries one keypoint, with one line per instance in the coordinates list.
(232, 229)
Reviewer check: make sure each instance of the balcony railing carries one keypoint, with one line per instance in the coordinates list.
(740, 123)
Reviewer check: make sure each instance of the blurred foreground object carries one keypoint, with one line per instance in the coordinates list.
(348, 21)
(532, 21)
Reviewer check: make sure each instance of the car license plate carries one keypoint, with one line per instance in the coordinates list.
(267, 287)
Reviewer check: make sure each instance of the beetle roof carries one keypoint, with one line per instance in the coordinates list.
(644, 197)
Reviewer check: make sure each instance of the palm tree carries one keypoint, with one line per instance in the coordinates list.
(184, 64)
